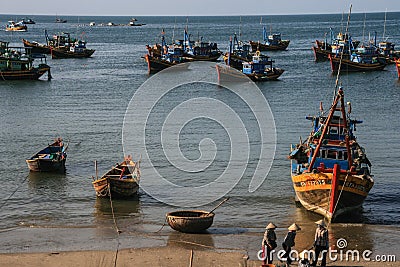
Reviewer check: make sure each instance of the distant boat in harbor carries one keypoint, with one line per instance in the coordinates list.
(60, 20)
(28, 21)
(256, 66)
(61, 45)
(364, 58)
(270, 42)
(16, 26)
(133, 22)
(165, 55)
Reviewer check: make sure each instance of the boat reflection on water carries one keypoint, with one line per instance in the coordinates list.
(191, 241)
(122, 208)
(47, 183)
(127, 213)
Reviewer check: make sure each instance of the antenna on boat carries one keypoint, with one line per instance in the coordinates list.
(173, 32)
(341, 54)
(240, 28)
(384, 27)
(365, 18)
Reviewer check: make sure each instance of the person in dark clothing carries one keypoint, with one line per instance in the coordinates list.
(269, 243)
(288, 242)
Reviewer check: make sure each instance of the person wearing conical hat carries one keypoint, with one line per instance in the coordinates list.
(269, 243)
(288, 242)
(321, 243)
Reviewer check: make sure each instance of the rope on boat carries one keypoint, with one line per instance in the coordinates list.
(12, 194)
(164, 224)
(115, 224)
(2, 76)
(340, 194)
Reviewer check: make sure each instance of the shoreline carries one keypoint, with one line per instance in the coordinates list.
(31, 246)
(153, 256)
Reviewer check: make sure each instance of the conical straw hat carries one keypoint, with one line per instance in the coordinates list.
(321, 222)
(294, 227)
(270, 226)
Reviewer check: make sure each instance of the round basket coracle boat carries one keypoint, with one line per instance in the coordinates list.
(190, 221)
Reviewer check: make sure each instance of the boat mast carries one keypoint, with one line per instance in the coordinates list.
(325, 129)
(341, 54)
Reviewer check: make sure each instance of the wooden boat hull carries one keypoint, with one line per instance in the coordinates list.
(270, 75)
(156, 64)
(214, 57)
(46, 165)
(350, 66)
(33, 74)
(225, 74)
(313, 190)
(36, 48)
(282, 45)
(58, 53)
(190, 221)
(17, 29)
(119, 188)
(320, 54)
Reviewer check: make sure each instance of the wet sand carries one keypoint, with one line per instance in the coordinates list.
(160, 256)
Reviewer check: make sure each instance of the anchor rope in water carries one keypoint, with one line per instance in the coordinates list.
(115, 224)
(12, 194)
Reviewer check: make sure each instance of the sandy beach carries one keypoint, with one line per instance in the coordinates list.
(161, 256)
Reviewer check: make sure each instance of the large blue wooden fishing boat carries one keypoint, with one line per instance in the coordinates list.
(331, 173)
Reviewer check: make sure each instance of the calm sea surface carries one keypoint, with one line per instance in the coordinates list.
(86, 101)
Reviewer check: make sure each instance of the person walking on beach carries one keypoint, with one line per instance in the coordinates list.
(321, 243)
(288, 242)
(269, 243)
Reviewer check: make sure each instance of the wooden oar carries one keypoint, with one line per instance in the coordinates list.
(222, 202)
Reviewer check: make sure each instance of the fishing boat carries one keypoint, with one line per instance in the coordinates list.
(364, 58)
(256, 66)
(60, 20)
(169, 56)
(133, 23)
(28, 21)
(331, 173)
(121, 181)
(398, 67)
(62, 39)
(72, 50)
(16, 26)
(18, 63)
(238, 53)
(190, 221)
(343, 42)
(50, 159)
(387, 50)
(198, 50)
(270, 42)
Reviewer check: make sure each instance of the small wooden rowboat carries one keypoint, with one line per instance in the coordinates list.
(190, 221)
